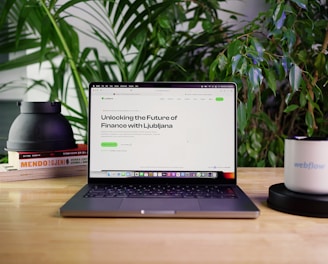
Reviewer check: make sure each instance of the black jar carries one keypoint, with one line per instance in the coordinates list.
(40, 126)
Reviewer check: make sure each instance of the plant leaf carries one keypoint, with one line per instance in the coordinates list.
(309, 122)
(308, 119)
(242, 68)
(279, 16)
(302, 99)
(241, 117)
(291, 38)
(320, 62)
(291, 108)
(234, 48)
(213, 68)
(272, 158)
(295, 77)
(26, 60)
(301, 3)
(258, 47)
(222, 62)
(285, 62)
(255, 77)
(235, 62)
(207, 26)
(256, 140)
(164, 22)
(271, 80)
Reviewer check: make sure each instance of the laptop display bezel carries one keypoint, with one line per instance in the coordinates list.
(149, 180)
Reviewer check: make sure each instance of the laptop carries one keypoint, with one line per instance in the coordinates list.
(161, 149)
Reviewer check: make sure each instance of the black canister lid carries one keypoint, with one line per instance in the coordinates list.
(40, 107)
(40, 127)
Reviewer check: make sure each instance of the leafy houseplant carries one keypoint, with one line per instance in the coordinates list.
(144, 40)
(279, 61)
(280, 65)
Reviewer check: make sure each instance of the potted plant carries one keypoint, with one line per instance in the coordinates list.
(280, 64)
(144, 40)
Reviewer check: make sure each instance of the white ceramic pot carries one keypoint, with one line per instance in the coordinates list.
(306, 165)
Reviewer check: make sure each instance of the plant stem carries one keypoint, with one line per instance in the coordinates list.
(314, 81)
(67, 53)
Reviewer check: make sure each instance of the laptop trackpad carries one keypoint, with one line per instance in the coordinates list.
(158, 204)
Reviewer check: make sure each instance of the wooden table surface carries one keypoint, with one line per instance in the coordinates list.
(31, 230)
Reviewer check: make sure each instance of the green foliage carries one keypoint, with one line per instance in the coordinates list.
(144, 40)
(280, 65)
(279, 61)
(3, 159)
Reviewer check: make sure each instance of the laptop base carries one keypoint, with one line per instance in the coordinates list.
(241, 207)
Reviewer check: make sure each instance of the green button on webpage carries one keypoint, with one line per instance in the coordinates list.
(109, 144)
(219, 99)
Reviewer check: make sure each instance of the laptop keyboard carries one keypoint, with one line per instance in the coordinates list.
(160, 191)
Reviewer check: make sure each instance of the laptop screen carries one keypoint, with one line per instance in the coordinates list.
(162, 130)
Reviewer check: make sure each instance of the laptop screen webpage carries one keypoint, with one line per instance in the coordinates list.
(162, 130)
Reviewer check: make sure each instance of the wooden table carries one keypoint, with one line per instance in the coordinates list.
(31, 231)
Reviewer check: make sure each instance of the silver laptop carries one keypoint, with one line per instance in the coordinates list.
(162, 149)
